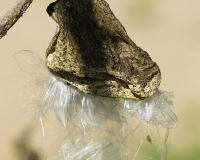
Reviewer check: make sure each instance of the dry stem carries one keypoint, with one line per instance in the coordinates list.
(12, 16)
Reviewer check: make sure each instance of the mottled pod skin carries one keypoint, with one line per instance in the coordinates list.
(92, 52)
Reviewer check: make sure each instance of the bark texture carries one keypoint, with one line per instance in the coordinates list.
(93, 52)
(12, 16)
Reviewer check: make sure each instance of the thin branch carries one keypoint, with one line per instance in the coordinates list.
(12, 16)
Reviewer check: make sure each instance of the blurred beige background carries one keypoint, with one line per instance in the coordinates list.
(168, 30)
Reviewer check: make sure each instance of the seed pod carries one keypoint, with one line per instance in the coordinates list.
(92, 52)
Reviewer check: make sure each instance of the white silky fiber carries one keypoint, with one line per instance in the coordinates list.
(101, 128)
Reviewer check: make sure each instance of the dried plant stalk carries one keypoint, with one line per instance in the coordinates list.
(12, 16)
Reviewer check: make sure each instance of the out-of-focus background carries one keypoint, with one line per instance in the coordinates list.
(168, 30)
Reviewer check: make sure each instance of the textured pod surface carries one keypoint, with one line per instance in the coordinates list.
(93, 52)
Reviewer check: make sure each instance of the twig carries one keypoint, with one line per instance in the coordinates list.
(12, 16)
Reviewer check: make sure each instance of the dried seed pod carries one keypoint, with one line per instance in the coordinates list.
(93, 52)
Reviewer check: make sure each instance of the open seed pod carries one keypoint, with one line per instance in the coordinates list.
(93, 52)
